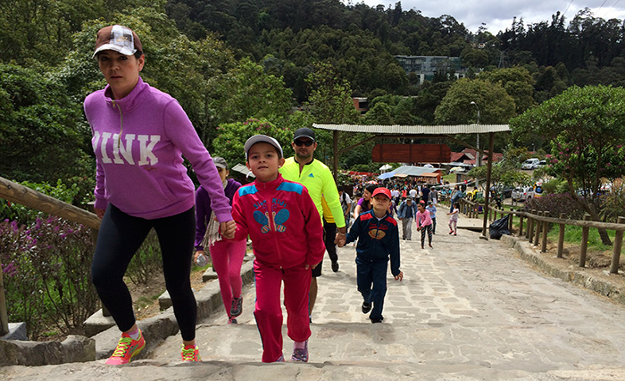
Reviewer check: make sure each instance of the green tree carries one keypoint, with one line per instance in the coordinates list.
(380, 113)
(43, 137)
(232, 138)
(247, 91)
(492, 100)
(330, 97)
(586, 127)
(495, 105)
(518, 83)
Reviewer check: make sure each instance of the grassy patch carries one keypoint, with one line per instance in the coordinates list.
(573, 235)
(145, 301)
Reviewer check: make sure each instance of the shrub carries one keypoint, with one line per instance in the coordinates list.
(614, 201)
(556, 204)
(46, 270)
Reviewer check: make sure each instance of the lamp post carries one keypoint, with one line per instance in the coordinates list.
(478, 155)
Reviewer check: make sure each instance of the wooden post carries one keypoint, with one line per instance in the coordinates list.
(543, 248)
(618, 244)
(335, 147)
(520, 225)
(537, 224)
(530, 227)
(491, 139)
(584, 246)
(4, 316)
(561, 236)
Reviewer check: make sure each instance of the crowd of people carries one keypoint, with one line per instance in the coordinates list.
(292, 212)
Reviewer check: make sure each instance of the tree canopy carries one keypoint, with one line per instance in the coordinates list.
(586, 130)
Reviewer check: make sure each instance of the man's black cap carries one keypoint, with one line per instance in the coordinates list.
(304, 133)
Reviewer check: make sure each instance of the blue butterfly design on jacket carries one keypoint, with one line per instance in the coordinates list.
(279, 219)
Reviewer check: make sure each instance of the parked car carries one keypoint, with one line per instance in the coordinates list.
(504, 191)
(530, 163)
(522, 194)
(542, 163)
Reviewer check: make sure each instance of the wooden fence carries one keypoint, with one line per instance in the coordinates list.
(538, 226)
(20, 194)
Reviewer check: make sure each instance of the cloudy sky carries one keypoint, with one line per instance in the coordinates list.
(498, 14)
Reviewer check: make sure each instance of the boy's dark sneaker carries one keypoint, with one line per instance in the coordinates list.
(335, 266)
(377, 320)
(237, 307)
(366, 307)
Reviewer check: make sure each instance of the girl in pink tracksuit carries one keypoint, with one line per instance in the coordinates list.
(424, 223)
(287, 238)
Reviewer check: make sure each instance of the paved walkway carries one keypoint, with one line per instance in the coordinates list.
(469, 309)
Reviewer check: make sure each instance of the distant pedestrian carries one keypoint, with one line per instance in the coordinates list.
(346, 205)
(453, 220)
(432, 209)
(425, 193)
(364, 204)
(424, 224)
(434, 196)
(378, 239)
(406, 213)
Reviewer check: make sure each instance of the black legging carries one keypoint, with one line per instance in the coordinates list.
(119, 238)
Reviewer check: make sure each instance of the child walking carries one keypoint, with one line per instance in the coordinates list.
(453, 220)
(432, 209)
(287, 239)
(424, 224)
(227, 255)
(378, 238)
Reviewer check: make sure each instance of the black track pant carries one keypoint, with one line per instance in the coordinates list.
(119, 238)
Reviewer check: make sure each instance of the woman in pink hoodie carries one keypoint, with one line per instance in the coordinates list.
(140, 135)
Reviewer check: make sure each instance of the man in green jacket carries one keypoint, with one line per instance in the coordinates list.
(318, 179)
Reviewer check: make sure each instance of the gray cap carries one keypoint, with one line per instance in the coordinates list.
(262, 139)
(220, 162)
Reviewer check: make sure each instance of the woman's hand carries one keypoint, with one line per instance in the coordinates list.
(100, 212)
(228, 229)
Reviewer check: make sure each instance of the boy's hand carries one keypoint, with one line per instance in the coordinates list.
(418, 228)
(399, 276)
(340, 239)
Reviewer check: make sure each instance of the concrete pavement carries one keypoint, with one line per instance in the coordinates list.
(469, 309)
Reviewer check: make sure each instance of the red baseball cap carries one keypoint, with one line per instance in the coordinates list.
(382, 190)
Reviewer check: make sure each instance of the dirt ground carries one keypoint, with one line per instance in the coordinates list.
(145, 297)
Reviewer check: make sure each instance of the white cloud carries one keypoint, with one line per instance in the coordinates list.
(498, 14)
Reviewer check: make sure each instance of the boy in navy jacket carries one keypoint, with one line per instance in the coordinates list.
(378, 239)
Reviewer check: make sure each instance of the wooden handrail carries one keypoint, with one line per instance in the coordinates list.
(30, 198)
(20, 194)
(582, 223)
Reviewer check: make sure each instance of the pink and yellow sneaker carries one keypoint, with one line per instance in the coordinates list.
(127, 347)
(190, 353)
